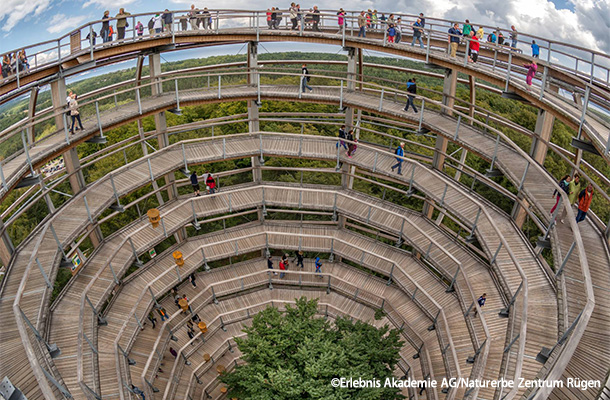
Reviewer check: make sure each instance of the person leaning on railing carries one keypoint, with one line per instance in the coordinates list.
(121, 23)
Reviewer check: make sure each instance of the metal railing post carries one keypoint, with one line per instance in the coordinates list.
(219, 85)
(457, 128)
(510, 60)
(493, 159)
(565, 259)
(135, 254)
(44, 274)
(421, 114)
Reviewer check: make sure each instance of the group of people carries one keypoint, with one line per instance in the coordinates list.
(284, 263)
(210, 183)
(347, 140)
(15, 63)
(578, 196)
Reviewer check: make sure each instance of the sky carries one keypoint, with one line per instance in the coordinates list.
(581, 22)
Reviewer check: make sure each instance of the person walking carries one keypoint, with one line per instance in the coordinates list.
(206, 19)
(400, 152)
(350, 138)
(300, 259)
(513, 37)
(362, 24)
(351, 148)
(423, 20)
(342, 136)
(531, 72)
(412, 90)
(105, 26)
(564, 184)
(121, 23)
(318, 267)
(195, 184)
(192, 278)
(305, 79)
(138, 391)
(173, 352)
(584, 203)
(340, 20)
(473, 48)
(454, 39)
(210, 182)
(270, 264)
(481, 301)
(535, 49)
(282, 268)
(152, 319)
(139, 29)
(193, 16)
(168, 20)
(573, 190)
(74, 113)
(162, 313)
(418, 30)
(315, 19)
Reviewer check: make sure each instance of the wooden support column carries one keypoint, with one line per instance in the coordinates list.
(440, 147)
(253, 114)
(71, 160)
(538, 151)
(32, 112)
(154, 67)
(6, 246)
(352, 169)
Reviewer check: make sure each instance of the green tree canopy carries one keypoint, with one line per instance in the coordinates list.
(296, 354)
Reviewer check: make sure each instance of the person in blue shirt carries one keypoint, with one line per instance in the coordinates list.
(318, 267)
(400, 152)
(454, 38)
(195, 183)
(412, 90)
(492, 38)
(535, 49)
(481, 301)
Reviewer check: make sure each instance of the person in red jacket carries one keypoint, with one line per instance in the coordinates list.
(584, 203)
(282, 268)
(210, 182)
(473, 48)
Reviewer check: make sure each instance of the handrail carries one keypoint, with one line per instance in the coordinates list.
(504, 123)
(325, 16)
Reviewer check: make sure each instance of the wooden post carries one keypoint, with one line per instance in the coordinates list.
(253, 115)
(6, 247)
(473, 97)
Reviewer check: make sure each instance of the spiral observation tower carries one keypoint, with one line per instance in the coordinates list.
(469, 214)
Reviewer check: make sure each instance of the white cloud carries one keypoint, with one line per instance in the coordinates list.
(109, 4)
(60, 23)
(13, 11)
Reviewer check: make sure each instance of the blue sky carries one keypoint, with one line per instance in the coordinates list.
(585, 22)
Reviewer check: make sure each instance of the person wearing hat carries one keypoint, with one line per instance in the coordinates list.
(400, 152)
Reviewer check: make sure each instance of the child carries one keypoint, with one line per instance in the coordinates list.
(391, 33)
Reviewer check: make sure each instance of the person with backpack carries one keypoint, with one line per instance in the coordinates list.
(139, 29)
(151, 26)
(210, 182)
(342, 137)
(491, 38)
(412, 90)
(157, 24)
(305, 79)
(573, 190)
(584, 203)
(564, 184)
(466, 28)
(121, 23)
(481, 301)
(418, 30)
(195, 184)
(318, 267)
(400, 152)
